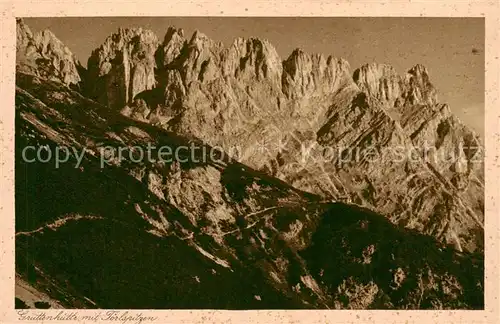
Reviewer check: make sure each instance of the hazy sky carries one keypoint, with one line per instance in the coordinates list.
(443, 45)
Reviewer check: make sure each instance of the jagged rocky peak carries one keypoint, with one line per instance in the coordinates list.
(23, 34)
(305, 74)
(26, 49)
(123, 66)
(420, 89)
(246, 60)
(252, 60)
(381, 81)
(201, 59)
(127, 37)
(200, 40)
(173, 42)
(43, 54)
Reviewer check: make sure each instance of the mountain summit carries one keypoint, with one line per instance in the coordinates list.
(45, 55)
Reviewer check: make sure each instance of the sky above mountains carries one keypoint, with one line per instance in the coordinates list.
(452, 49)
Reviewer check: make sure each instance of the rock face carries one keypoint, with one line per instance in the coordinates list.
(45, 55)
(381, 81)
(123, 67)
(451, 154)
(290, 137)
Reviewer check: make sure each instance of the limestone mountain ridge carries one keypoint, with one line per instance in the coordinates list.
(245, 98)
(289, 194)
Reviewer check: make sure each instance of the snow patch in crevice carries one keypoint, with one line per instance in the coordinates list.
(215, 259)
(59, 222)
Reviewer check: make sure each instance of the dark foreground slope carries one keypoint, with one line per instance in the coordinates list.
(205, 233)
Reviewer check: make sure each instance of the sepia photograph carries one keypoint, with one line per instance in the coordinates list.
(208, 163)
(249, 163)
